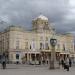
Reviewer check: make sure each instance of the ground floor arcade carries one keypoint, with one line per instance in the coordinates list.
(35, 57)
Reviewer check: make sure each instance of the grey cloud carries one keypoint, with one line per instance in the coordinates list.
(21, 12)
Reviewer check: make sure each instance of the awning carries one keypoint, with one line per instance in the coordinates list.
(64, 53)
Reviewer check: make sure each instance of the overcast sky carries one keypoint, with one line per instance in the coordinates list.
(21, 12)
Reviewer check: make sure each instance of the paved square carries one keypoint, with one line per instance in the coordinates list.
(34, 70)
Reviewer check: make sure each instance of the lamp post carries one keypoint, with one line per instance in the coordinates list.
(53, 43)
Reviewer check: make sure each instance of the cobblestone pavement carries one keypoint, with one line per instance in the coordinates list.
(13, 69)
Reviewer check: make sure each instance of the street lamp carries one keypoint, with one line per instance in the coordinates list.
(53, 43)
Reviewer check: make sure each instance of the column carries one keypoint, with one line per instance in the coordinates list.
(30, 57)
(27, 57)
(35, 58)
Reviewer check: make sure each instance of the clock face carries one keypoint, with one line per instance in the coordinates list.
(53, 42)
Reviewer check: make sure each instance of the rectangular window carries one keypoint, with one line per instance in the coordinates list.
(46, 38)
(63, 47)
(41, 46)
(26, 45)
(17, 44)
(58, 46)
(46, 46)
(41, 38)
(30, 47)
(17, 56)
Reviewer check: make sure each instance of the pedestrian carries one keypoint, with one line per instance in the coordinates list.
(3, 61)
(66, 64)
(62, 63)
(47, 60)
(43, 61)
(70, 63)
(4, 64)
(39, 62)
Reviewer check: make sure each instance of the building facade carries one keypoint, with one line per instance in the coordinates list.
(25, 46)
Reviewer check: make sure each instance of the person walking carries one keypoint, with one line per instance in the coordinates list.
(70, 62)
(66, 64)
(47, 60)
(4, 61)
(62, 63)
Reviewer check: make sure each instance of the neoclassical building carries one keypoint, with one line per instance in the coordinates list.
(34, 45)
